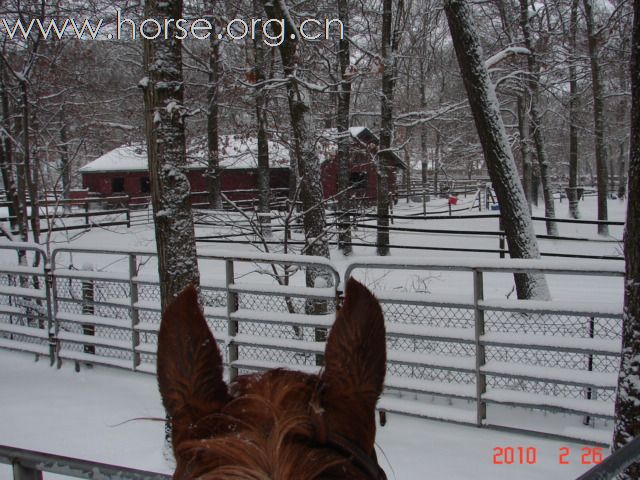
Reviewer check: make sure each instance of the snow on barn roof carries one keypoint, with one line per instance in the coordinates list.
(328, 143)
(128, 158)
(236, 152)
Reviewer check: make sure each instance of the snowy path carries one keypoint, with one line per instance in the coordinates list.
(77, 414)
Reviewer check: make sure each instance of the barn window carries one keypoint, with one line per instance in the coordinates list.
(117, 185)
(145, 185)
(358, 180)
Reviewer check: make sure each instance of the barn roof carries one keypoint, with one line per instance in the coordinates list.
(362, 134)
(236, 152)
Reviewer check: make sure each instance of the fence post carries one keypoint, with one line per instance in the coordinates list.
(54, 308)
(133, 311)
(481, 381)
(232, 325)
(86, 213)
(48, 281)
(20, 472)
(590, 392)
(501, 236)
(88, 308)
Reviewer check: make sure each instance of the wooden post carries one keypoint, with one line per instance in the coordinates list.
(232, 325)
(501, 237)
(128, 211)
(86, 213)
(481, 380)
(20, 472)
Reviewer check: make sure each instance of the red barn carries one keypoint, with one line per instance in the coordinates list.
(124, 170)
(362, 167)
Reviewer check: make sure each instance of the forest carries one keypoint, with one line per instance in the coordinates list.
(532, 96)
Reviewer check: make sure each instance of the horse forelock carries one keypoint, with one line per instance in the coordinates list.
(266, 431)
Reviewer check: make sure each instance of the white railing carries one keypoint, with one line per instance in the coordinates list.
(472, 351)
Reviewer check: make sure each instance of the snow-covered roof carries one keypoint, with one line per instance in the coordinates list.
(327, 144)
(128, 158)
(236, 151)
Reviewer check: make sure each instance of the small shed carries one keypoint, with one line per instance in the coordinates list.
(362, 166)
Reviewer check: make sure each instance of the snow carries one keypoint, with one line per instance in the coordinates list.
(563, 375)
(507, 52)
(80, 411)
(131, 158)
(580, 405)
(116, 417)
(235, 151)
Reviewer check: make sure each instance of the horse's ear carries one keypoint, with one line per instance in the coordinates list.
(355, 365)
(189, 361)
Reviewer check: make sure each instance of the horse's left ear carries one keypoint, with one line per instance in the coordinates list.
(189, 362)
(355, 366)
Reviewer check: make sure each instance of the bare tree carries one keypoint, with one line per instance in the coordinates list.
(264, 174)
(303, 148)
(598, 116)
(497, 152)
(165, 116)
(533, 84)
(572, 191)
(627, 413)
(344, 137)
(390, 42)
(213, 88)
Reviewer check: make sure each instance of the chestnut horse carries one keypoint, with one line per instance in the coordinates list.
(279, 424)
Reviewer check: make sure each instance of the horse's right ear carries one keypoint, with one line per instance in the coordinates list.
(189, 362)
(355, 366)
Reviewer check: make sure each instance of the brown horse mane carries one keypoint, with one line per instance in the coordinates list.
(275, 424)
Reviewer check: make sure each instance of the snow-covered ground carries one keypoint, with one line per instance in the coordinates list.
(82, 415)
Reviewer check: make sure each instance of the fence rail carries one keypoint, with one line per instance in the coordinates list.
(470, 351)
(30, 464)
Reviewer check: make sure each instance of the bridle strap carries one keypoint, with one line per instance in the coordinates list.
(365, 463)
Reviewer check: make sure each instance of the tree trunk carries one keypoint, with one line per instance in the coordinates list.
(17, 208)
(308, 164)
(423, 128)
(164, 123)
(30, 171)
(598, 118)
(65, 167)
(533, 84)
(386, 131)
(525, 151)
(213, 86)
(621, 116)
(493, 138)
(572, 192)
(344, 136)
(627, 413)
(264, 175)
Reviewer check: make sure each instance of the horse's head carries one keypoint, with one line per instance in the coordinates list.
(279, 425)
